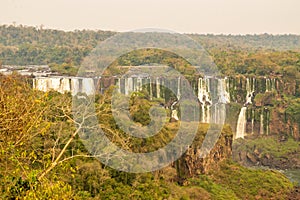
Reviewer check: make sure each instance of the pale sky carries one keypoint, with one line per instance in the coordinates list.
(184, 16)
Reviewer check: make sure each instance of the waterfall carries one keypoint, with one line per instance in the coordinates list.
(267, 123)
(201, 95)
(74, 86)
(252, 121)
(223, 91)
(139, 84)
(55, 83)
(261, 131)
(126, 86)
(273, 84)
(174, 113)
(130, 85)
(88, 86)
(242, 121)
(41, 84)
(250, 91)
(178, 89)
(150, 85)
(204, 98)
(157, 88)
(218, 112)
(268, 85)
(203, 113)
(64, 85)
(119, 85)
(241, 124)
(207, 114)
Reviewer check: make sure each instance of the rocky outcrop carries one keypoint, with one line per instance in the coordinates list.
(191, 164)
(250, 155)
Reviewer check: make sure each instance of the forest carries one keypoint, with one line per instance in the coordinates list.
(43, 157)
(64, 51)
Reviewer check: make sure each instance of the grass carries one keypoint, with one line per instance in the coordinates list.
(269, 145)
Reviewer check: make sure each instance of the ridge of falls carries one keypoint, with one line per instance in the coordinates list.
(213, 93)
(65, 84)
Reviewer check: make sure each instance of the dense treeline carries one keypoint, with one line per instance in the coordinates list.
(21, 45)
(249, 54)
(248, 42)
(38, 138)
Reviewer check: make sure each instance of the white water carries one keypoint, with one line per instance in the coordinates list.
(64, 84)
(242, 121)
(174, 113)
(157, 88)
(270, 84)
(150, 85)
(261, 131)
(223, 91)
(139, 84)
(178, 88)
(252, 121)
(241, 124)
(74, 86)
(250, 90)
(204, 98)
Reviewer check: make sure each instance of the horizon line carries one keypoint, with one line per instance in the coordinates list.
(44, 27)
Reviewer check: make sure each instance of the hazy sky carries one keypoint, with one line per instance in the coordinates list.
(190, 16)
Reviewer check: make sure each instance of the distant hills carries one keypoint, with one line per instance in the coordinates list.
(64, 51)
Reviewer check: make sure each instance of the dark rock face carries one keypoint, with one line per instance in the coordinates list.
(256, 157)
(191, 165)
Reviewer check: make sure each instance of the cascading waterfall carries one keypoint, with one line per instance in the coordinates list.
(204, 98)
(119, 85)
(157, 88)
(252, 121)
(178, 88)
(150, 87)
(219, 112)
(88, 86)
(55, 83)
(241, 124)
(250, 90)
(223, 91)
(261, 131)
(201, 95)
(139, 84)
(126, 86)
(65, 84)
(130, 85)
(74, 86)
(268, 85)
(174, 113)
(242, 121)
(41, 84)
